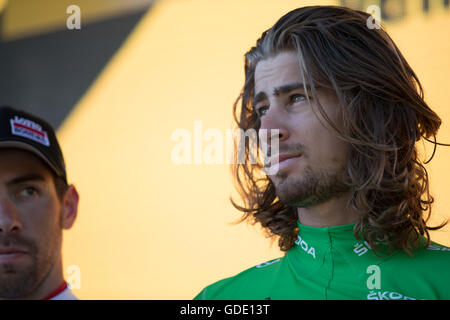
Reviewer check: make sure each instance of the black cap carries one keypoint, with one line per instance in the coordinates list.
(21, 130)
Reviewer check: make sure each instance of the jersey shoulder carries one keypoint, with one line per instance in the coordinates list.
(428, 259)
(248, 284)
(435, 253)
(425, 273)
(436, 256)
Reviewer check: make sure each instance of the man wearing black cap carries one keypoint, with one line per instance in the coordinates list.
(36, 204)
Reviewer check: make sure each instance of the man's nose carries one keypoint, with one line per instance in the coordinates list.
(273, 126)
(9, 217)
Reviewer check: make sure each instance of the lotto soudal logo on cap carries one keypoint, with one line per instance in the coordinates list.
(22, 130)
(29, 129)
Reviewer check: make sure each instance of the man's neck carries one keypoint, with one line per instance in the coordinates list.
(334, 212)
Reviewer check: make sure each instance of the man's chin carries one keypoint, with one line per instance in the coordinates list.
(308, 190)
(16, 281)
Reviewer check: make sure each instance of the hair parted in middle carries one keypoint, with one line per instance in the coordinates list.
(384, 115)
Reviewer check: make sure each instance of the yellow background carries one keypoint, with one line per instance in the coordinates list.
(26, 18)
(149, 229)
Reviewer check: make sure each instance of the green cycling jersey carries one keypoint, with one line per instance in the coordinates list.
(330, 263)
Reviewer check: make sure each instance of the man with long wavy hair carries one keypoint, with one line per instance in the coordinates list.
(350, 200)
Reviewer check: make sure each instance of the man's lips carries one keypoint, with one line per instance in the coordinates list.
(12, 250)
(279, 158)
(11, 255)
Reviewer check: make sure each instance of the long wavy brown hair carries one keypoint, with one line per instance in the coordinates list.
(385, 115)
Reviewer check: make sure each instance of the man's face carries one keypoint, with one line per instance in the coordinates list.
(30, 223)
(317, 158)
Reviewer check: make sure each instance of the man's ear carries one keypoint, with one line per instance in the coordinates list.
(70, 207)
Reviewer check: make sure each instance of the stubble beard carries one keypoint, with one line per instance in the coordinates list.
(16, 281)
(311, 188)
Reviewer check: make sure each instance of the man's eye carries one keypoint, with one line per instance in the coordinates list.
(261, 111)
(28, 192)
(297, 98)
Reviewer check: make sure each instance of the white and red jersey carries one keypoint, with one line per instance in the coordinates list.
(62, 293)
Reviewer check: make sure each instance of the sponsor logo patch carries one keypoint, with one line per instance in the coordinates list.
(30, 130)
(268, 263)
(437, 247)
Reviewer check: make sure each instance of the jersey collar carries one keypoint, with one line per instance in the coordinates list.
(60, 289)
(321, 252)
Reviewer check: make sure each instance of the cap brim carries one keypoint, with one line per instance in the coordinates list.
(27, 147)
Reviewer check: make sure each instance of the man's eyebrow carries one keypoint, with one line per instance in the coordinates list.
(25, 178)
(279, 90)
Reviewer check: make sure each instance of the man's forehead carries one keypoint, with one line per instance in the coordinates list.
(280, 59)
(278, 70)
